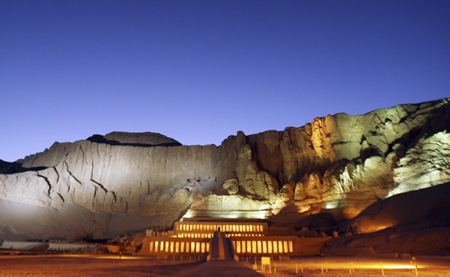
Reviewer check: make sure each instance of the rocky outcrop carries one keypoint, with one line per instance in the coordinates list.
(135, 139)
(341, 163)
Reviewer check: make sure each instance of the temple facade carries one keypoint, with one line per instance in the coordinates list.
(227, 238)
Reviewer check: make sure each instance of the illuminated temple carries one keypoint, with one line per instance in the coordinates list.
(220, 240)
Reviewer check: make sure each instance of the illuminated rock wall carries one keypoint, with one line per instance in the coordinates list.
(102, 177)
(426, 164)
(339, 162)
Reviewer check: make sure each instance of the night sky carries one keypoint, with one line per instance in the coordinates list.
(199, 71)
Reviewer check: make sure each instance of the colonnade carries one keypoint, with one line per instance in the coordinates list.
(195, 235)
(264, 246)
(222, 227)
(165, 246)
(211, 234)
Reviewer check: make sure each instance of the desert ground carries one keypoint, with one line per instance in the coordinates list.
(357, 266)
(91, 265)
(114, 265)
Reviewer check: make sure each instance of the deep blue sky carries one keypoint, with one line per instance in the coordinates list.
(199, 71)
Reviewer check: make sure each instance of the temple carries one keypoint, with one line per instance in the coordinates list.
(222, 239)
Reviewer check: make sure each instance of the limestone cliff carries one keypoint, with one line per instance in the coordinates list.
(339, 162)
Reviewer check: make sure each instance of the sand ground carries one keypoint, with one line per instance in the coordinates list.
(91, 265)
(112, 265)
(356, 267)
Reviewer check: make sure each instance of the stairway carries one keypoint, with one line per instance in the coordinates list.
(221, 248)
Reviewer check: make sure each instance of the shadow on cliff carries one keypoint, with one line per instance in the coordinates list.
(317, 220)
(15, 167)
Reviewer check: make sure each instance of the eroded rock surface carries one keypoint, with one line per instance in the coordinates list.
(341, 163)
(425, 164)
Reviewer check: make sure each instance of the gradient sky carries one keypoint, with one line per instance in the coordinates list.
(199, 71)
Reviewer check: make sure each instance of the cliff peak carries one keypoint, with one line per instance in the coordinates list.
(143, 139)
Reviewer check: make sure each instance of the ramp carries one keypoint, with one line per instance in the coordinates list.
(221, 248)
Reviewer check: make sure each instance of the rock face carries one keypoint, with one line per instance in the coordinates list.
(424, 164)
(342, 163)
